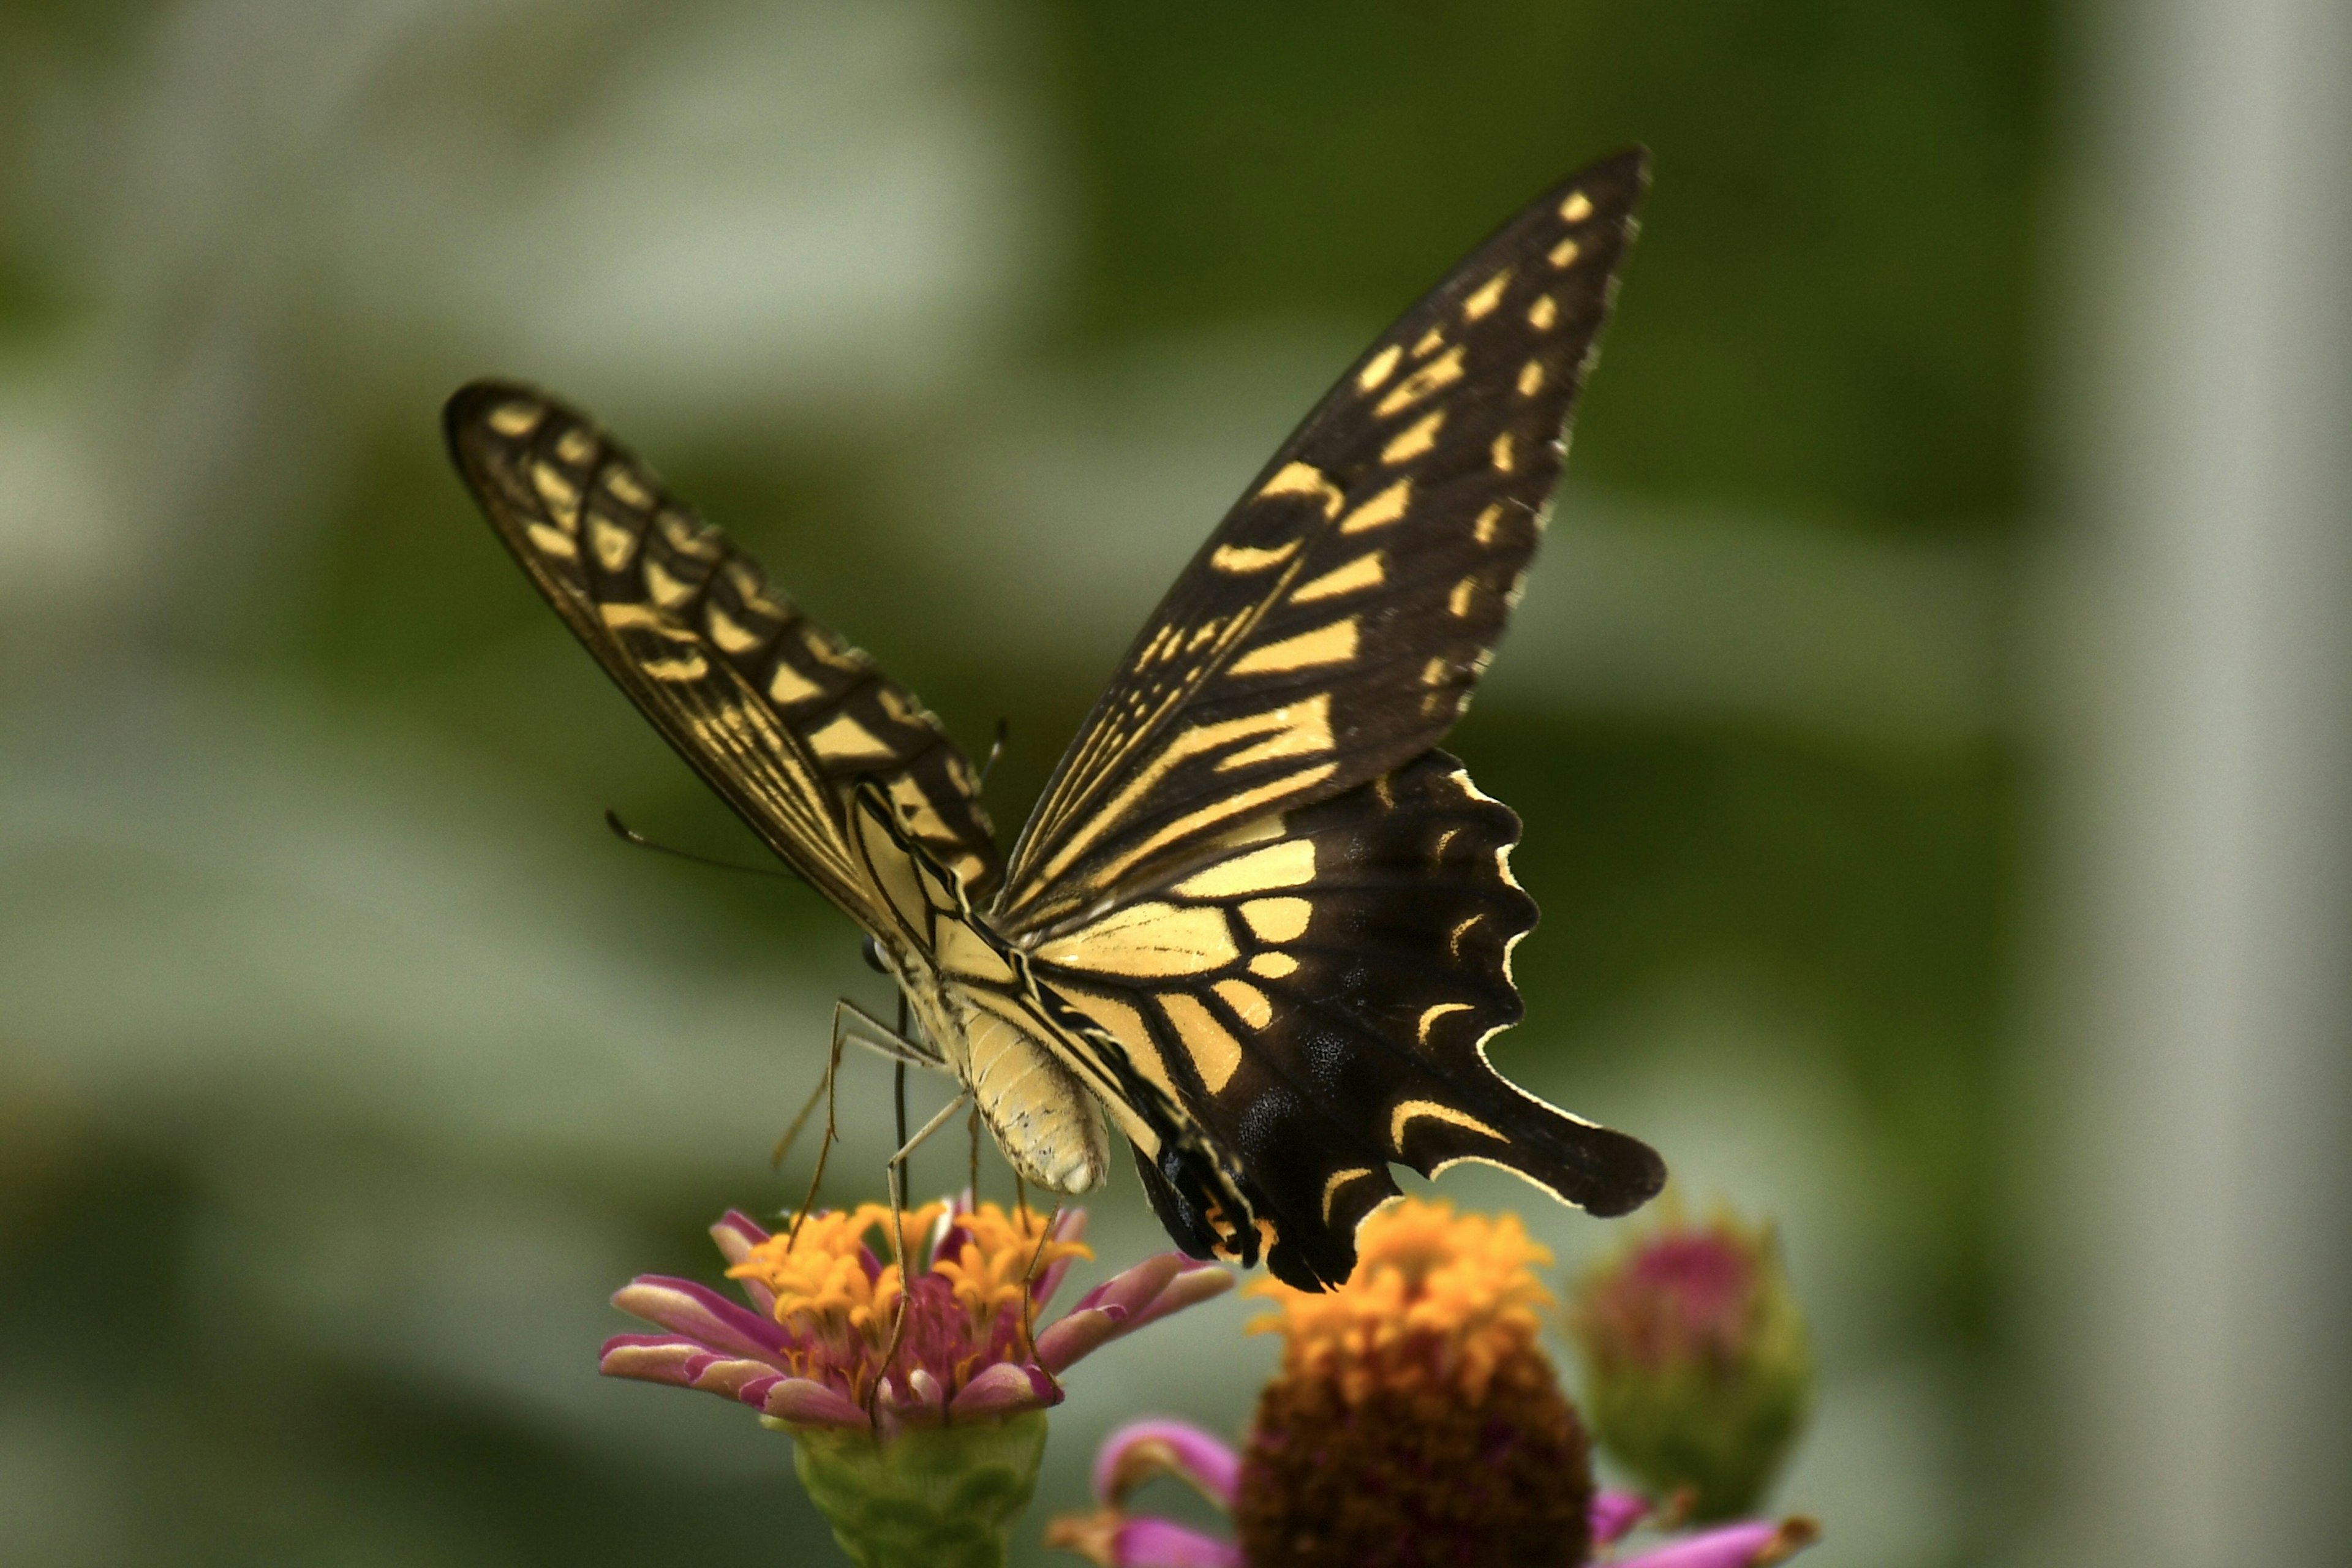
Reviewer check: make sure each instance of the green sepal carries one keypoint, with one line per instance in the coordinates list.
(940, 1497)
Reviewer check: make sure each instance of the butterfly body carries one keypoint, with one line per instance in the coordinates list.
(1257, 922)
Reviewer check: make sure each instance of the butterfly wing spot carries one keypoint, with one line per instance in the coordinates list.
(1429, 1016)
(788, 688)
(1333, 644)
(553, 542)
(1392, 502)
(1564, 254)
(1215, 1055)
(843, 739)
(1489, 295)
(1431, 341)
(1414, 1111)
(1435, 671)
(1543, 313)
(731, 634)
(557, 491)
(516, 420)
(575, 447)
(1489, 524)
(1366, 571)
(1305, 479)
(1378, 369)
(627, 490)
(1531, 378)
(1415, 441)
(1575, 208)
(1433, 377)
(1309, 735)
(1289, 863)
(1337, 1182)
(1272, 965)
(1147, 941)
(1249, 1004)
(690, 665)
(1134, 1035)
(614, 544)
(1464, 594)
(689, 535)
(1503, 452)
(1278, 920)
(1243, 560)
(667, 590)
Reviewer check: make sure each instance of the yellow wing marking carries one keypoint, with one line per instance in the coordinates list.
(1575, 208)
(1304, 479)
(1232, 806)
(788, 686)
(613, 543)
(1290, 863)
(1430, 1015)
(1147, 941)
(1437, 373)
(962, 953)
(1216, 1054)
(1389, 505)
(1414, 441)
(1488, 525)
(553, 542)
(516, 420)
(845, 739)
(1489, 295)
(1531, 378)
(1278, 920)
(556, 488)
(1431, 341)
(1242, 559)
(1564, 253)
(1504, 452)
(1378, 369)
(731, 634)
(625, 486)
(664, 589)
(1127, 1026)
(1543, 313)
(1335, 1183)
(1334, 644)
(1247, 1001)
(1465, 593)
(1366, 571)
(1419, 1109)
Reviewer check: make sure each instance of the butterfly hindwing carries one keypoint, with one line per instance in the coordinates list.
(1333, 626)
(1320, 992)
(777, 713)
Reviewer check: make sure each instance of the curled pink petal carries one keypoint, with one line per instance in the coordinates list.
(737, 1234)
(1074, 1338)
(1005, 1389)
(1193, 1284)
(1147, 1542)
(651, 1359)
(799, 1402)
(1615, 1514)
(1752, 1543)
(1143, 1450)
(685, 1308)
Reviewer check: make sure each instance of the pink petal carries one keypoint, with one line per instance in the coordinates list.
(801, 1401)
(1084, 1331)
(1615, 1514)
(1196, 1283)
(737, 1234)
(650, 1359)
(1144, 1451)
(698, 1313)
(1749, 1544)
(1147, 1542)
(1132, 1287)
(1005, 1389)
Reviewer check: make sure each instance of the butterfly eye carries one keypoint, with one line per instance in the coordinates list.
(873, 954)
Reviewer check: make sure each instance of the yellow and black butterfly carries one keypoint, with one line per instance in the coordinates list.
(1256, 917)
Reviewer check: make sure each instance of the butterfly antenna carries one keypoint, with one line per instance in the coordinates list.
(996, 749)
(628, 834)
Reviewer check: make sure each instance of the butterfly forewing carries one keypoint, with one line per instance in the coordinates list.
(775, 710)
(1334, 624)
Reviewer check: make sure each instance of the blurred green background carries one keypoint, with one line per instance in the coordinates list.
(347, 1064)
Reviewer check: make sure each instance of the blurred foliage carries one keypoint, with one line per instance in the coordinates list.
(1827, 329)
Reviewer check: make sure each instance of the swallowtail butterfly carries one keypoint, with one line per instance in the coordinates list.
(1257, 922)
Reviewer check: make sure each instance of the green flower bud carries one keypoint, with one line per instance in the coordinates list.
(1698, 1374)
(938, 1497)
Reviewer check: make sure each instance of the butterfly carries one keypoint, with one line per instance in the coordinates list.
(1257, 922)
